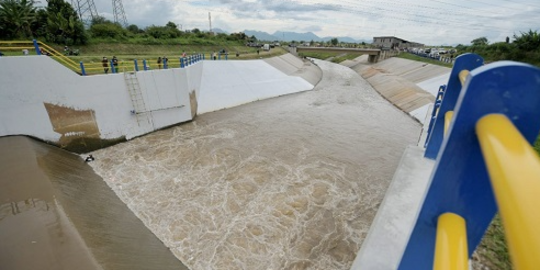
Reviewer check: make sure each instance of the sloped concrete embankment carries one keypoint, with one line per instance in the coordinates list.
(409, 85)
(227, 84)
(56, 213)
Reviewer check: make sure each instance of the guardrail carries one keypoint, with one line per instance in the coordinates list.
(91, 68)
(484, 163)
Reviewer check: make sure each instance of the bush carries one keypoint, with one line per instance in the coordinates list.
(108, 30)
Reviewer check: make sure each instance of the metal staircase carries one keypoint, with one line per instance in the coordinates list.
(139, 108)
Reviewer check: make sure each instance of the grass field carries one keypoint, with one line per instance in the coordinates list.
(336, 57)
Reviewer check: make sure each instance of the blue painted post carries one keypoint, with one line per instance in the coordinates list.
(432, 120)
(189, 60)
(136, 64)
(144, 65)
(83, 71)
(469, 62)
(459, 182)
(181, 62)
(226, 56)
(36, 46)
(219, 56)
(438, 101)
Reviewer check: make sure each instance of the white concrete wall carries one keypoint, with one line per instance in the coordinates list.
(26, 83)
(227, 84)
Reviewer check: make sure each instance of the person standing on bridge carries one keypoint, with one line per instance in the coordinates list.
(159, 62)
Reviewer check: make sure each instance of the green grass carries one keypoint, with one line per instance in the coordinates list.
(337, 57)
(414, 57)
(493, 249)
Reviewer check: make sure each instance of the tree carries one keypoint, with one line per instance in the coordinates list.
(528, 41)
(334, 41)
(99, 20)
(480, 41)
(16, 18)
(39, 27)
(107, 30)
(171, 25)
(134, 29)
(64, 25)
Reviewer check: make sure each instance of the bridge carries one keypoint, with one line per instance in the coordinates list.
(374, 54)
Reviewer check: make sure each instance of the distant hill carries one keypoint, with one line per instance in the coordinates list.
(218, 30)
(260, 35)
(293, 36)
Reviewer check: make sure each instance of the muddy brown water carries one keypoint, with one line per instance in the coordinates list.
(287, 183)
(56, 213)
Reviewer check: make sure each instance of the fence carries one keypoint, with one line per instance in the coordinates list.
(40, 48)
(484, 164)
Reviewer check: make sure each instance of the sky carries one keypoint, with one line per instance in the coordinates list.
(433, 22)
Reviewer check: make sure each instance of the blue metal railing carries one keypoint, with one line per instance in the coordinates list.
(453, 88)
(459, 181)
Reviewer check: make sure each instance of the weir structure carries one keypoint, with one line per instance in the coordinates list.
(375, 55)
(45, 187)
(477, 160)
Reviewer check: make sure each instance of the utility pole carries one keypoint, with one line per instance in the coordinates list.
(119, 14)
(86, 9)
(210, 22)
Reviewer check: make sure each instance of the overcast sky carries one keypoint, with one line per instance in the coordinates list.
(432, 22)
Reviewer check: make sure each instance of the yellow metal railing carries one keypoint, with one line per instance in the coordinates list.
(514, 169)
(97, 67)
(451, 252)
(16, 45)
(451, 248)
(60, 57)
(463, 76)
(447, 120)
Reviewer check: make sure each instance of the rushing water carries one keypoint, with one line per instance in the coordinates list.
(286, 183)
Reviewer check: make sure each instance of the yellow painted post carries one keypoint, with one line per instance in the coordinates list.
(447, 120)
(514, 169)
(463, 76)
(451, 252)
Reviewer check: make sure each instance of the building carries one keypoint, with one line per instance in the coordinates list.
(394, 42)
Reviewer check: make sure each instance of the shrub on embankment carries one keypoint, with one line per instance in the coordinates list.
(525, 48)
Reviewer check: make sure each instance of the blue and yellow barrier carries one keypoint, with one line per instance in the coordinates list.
(484, 163)
(97, 67)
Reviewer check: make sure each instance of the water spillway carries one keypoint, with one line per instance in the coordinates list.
(286, 183)
(291, 182)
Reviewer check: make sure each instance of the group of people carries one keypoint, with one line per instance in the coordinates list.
(105, 64)
(163, 60)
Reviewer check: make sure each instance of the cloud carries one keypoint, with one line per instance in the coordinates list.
(313, 28)
(437, 22)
